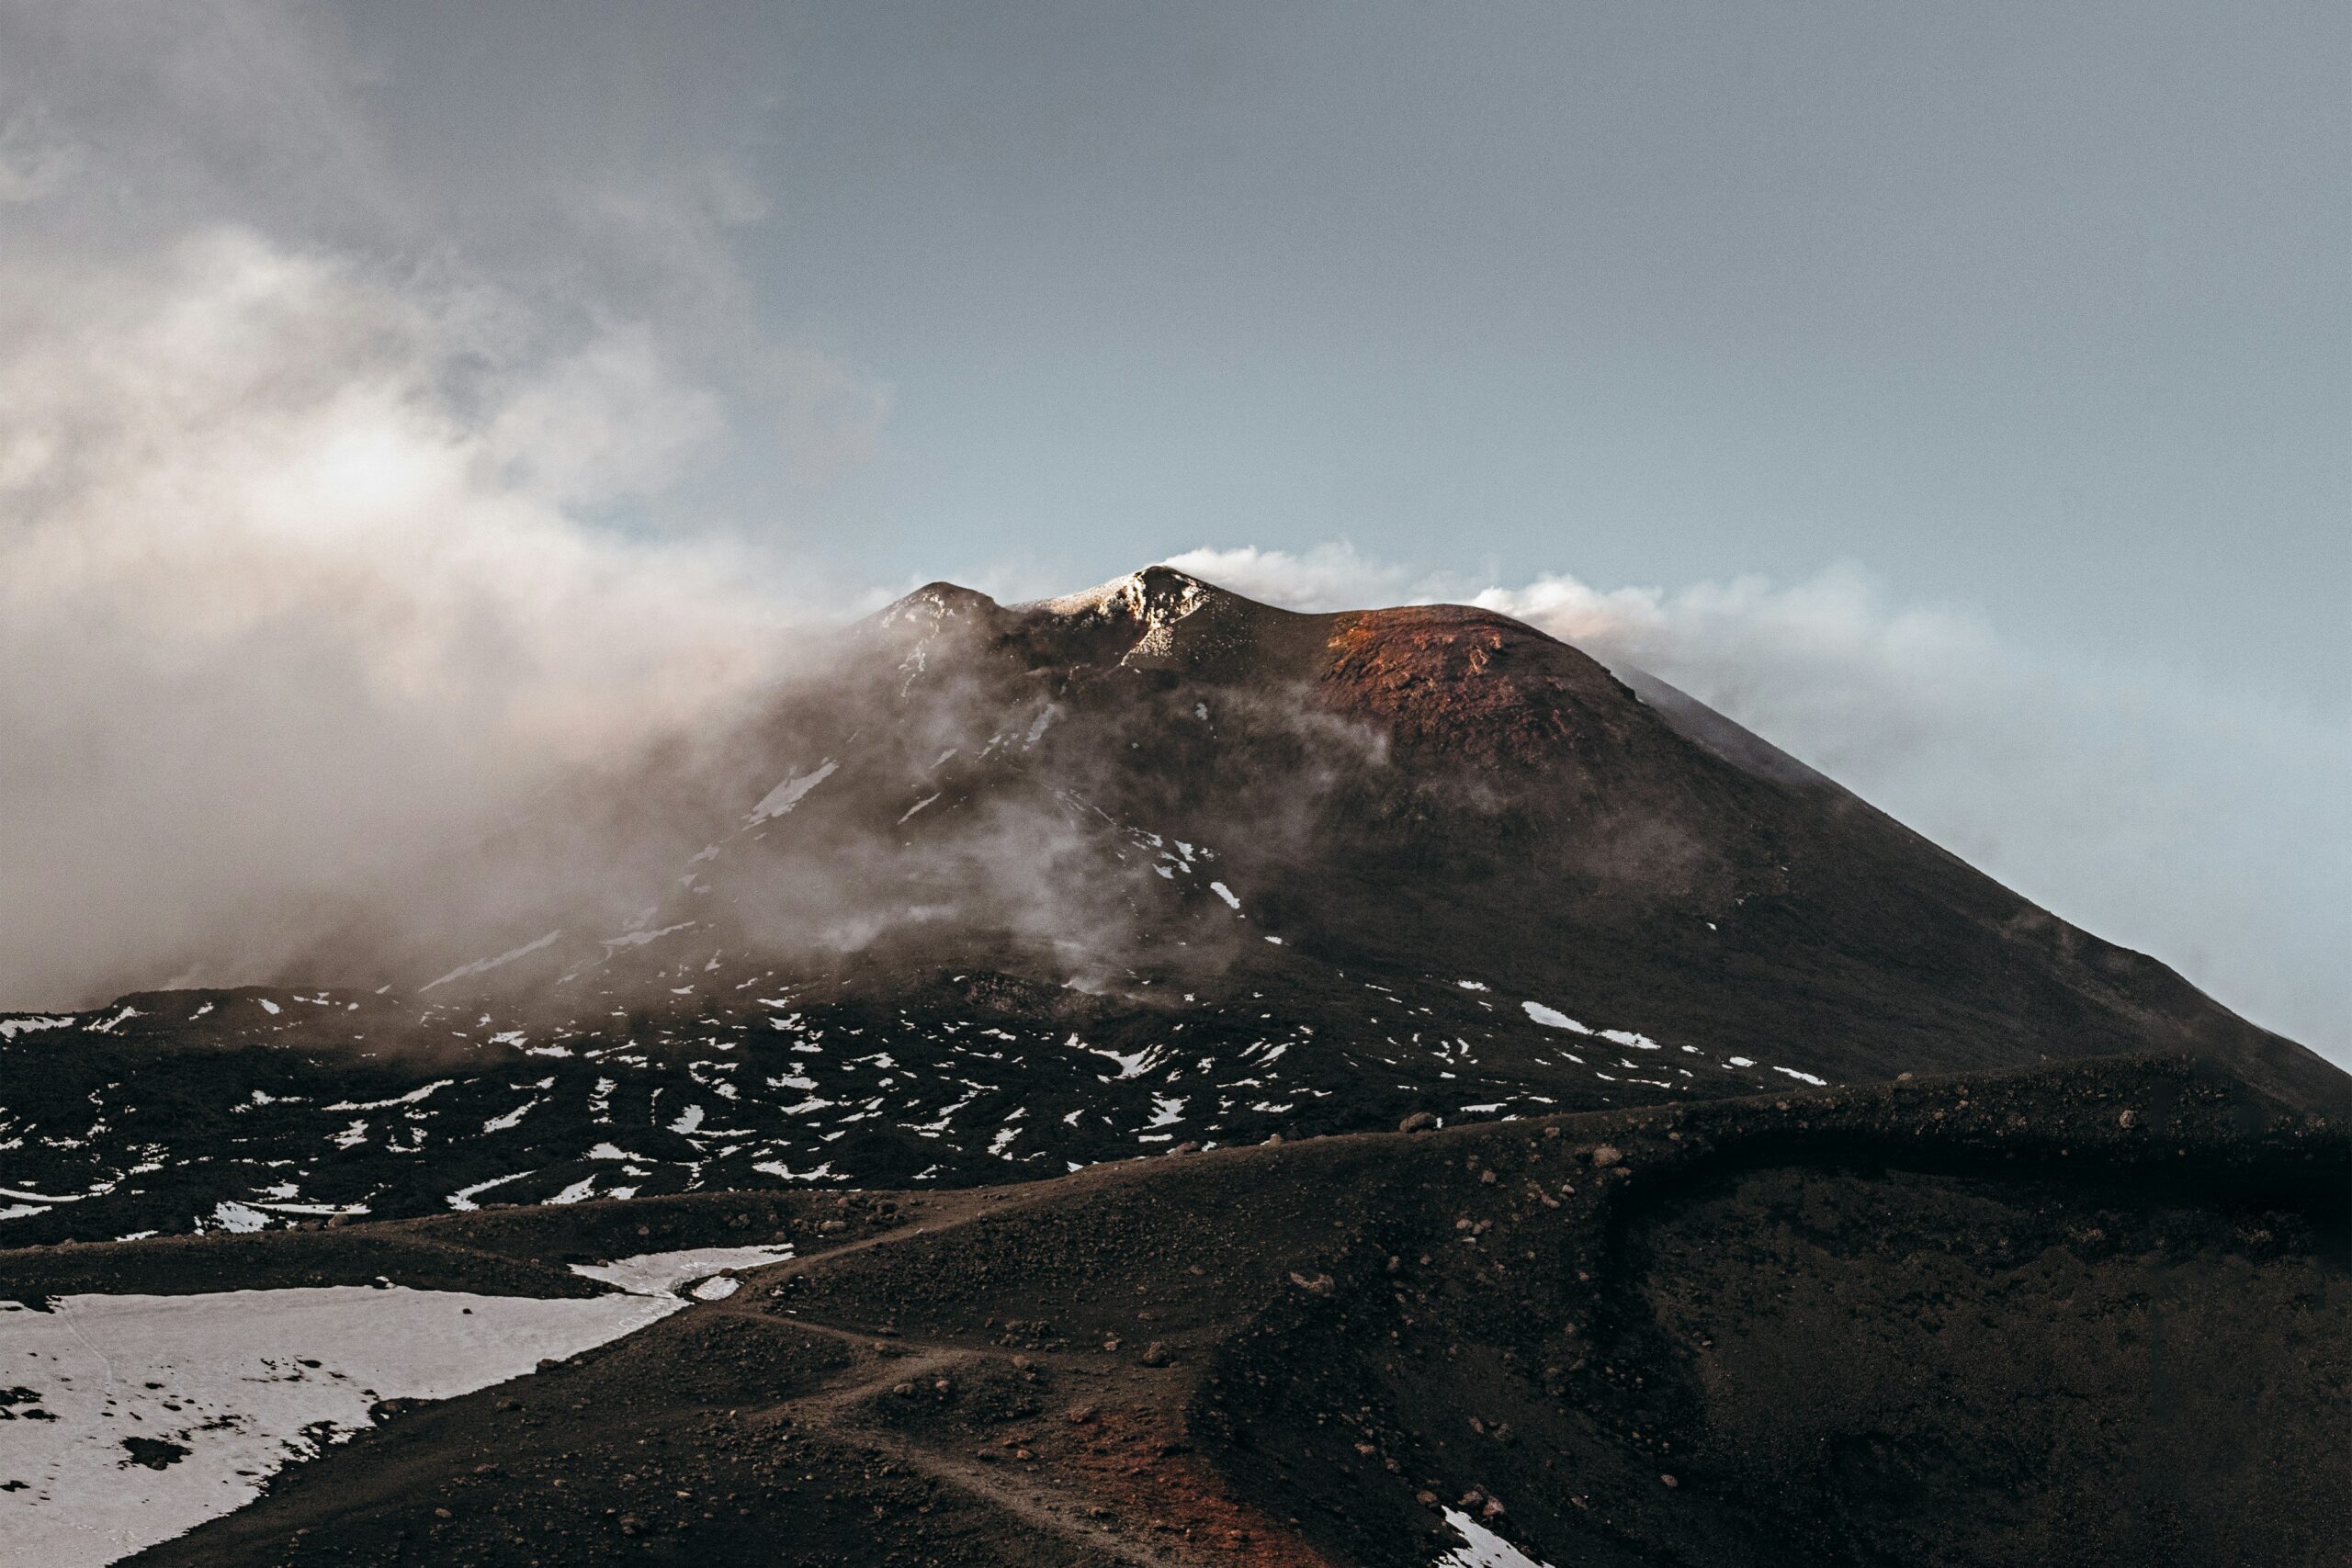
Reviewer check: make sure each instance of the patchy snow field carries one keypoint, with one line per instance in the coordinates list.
(137, 1417)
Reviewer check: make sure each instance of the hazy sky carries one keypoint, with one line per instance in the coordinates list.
(2038, 308)
(1957, 394)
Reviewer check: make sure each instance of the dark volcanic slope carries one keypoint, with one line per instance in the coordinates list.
(2092, 1313)
(1000, 891)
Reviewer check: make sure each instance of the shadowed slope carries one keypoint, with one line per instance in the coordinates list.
(994, 891)
(2075, 1316)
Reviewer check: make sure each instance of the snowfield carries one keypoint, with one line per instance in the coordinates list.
(158, 1413)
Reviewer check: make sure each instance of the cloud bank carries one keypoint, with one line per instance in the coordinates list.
(2201, 824)
(321, 545)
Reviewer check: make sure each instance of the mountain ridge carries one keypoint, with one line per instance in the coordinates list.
(1004, 889)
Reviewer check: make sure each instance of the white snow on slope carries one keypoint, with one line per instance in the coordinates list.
(1130, 1065)
(1484, 1548)
(232, 1216)
(661, 1274)
(462, 1200)
(484, 966)
(12, 1027)
(638, 939)
(787, 794)
(233, 1390)
(22, 1195)
(1551, 1018)
(414, 1097)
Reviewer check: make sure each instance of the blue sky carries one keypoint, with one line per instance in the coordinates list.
(2035, 308)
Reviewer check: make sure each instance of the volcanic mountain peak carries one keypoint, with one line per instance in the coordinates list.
(1156, 618)
(1018, 887)
(1161, 618)
(935, 602)
(1156, 596)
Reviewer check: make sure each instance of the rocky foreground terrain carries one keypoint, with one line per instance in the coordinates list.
(1149, 1078)
(2089, 1314)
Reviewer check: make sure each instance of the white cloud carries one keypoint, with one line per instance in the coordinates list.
(297, 574)
(606, 421)
(270, 606)
(1327, 577)
(2200, 823)
(34, 160)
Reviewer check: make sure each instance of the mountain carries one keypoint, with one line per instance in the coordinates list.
(991, 892)
(1149, 1078)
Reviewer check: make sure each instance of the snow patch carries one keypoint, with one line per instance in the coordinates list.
(412, 1097)
(484, 966)
(231, 1215)
(638, 939)
(1482, 1548)
(462, 1200)
(788, 794)
(665, 1273)
(243, 1382)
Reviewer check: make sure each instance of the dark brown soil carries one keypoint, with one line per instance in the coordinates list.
(2094, 1313)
